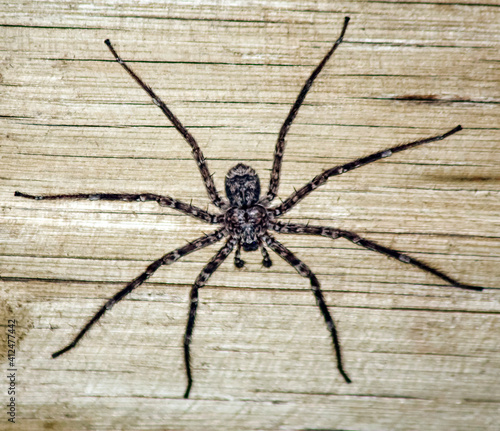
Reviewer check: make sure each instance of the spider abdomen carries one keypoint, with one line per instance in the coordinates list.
(242, 186)
(247, 224)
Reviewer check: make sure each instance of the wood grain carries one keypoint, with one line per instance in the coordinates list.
(421, 355)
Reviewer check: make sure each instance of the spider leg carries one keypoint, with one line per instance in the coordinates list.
(304, 271)
(197, 154)
(165, 260)
(280, 144)
(200, 281)
(320, 179)
(370, 245)
(164, 201)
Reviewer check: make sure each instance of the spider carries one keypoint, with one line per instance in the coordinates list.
(246, 218)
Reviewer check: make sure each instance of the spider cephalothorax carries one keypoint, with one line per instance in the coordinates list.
(247, 225)
(247, 219)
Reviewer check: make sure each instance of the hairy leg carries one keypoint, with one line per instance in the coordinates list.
(164, 201)
(200, 281)
(168, 259)
(321, 179)
(370, 245)
(280, 144)
(304, 271)
(197, 154)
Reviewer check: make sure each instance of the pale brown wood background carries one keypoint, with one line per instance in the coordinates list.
(422, 356)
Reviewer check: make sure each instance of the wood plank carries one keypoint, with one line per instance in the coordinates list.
(421, 355)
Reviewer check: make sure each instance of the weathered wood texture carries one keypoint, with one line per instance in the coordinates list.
(421, 355)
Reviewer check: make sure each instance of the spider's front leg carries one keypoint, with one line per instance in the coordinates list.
(200, 281)
(304, 271)
(168, 259)
(295, 228)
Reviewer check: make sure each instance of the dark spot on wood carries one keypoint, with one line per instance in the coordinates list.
(418, 98)
(463, 178)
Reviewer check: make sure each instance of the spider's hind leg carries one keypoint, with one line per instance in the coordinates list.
(197, 154)
(280, 144)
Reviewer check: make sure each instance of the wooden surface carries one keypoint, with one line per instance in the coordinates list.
(421, 355)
